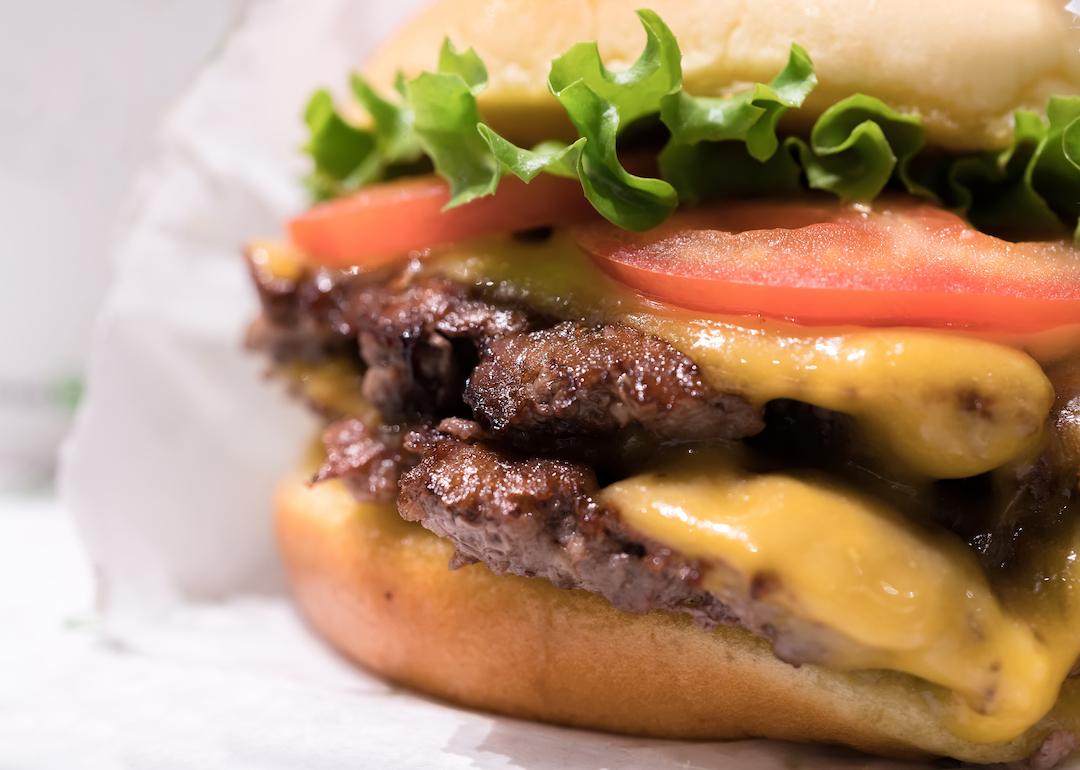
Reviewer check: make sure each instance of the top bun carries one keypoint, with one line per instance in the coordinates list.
(963, 65)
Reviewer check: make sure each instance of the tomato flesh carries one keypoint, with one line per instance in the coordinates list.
(899, 262)
(383, 222)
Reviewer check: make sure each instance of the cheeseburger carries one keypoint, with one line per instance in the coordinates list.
(728, 355)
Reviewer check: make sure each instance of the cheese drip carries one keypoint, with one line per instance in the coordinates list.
(941, 404)
(333, 387)
(947, 407)
(907, 599)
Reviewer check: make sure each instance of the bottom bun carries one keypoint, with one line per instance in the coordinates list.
(379, 590)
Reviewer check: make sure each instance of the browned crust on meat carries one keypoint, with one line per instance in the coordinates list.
(537, 517)
(407, 335)
(576, 379)
(378, 589)
(370, 460)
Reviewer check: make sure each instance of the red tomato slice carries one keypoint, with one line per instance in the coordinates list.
(383, 221)
(899, 262)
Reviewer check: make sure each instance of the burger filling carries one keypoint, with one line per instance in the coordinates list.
(889, 498)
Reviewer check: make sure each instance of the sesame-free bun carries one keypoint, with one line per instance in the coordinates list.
(380, 591)
(964, 65)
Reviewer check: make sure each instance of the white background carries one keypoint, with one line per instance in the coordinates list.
(83, 85)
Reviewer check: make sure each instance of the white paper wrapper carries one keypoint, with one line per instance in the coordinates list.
(179, 443)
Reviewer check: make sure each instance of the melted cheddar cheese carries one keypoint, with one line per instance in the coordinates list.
(942, 405)
(946, 407)
(930, 404)
(276, 259)
(909, 600)
(332, 387)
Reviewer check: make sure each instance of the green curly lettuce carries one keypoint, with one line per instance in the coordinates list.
(472, 156)
(343, 155)
(728, 146)
(632, 202)
(996, 188)
(392, 126)
(857, 146)
(468, 153)
(749, 116)
(600, 103)
(731, 145)
(346, 157)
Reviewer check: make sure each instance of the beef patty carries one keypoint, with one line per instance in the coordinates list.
(539, 517)
(432, 349)
(530, 410)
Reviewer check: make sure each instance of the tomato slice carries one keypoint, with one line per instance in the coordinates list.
(384, 221)
(899, 262)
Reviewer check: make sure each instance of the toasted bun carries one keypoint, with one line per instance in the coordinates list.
(379, 590)
(964, 65)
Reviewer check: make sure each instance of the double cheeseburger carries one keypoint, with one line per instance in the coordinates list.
(716, 378)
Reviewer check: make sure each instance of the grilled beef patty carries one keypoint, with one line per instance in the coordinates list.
(497, 422)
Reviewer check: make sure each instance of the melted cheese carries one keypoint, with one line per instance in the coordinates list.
(277, 259)
(939, 403)
(947, 407)
(942, 404)
(909, 600)
(332, 387)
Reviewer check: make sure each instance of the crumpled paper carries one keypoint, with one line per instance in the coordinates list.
(179, 443)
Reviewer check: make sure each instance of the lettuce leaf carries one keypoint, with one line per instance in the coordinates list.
(714, 170)
(714, 141)
(445, 118)
(856, 146)
(344, 156)
(995, 190)
(749, 116)
(465, 64)
(631, 202)
(635, 92)
(599, 103)
(557, 158)
(392, 125)
(717, 146)
(468, 153)
(1053, 173)
(1031, 186)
